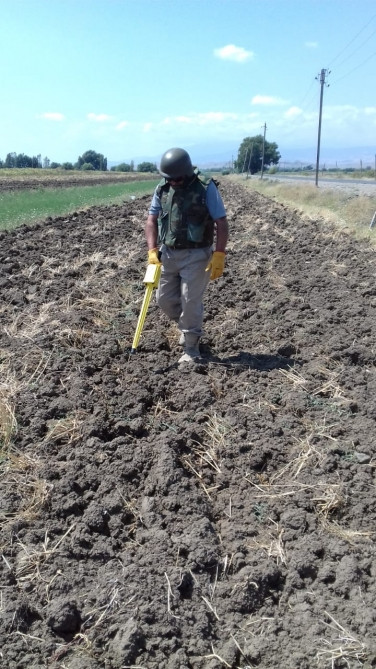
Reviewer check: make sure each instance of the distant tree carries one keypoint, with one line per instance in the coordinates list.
(10, 160)
(67, 166)
(123, 167)
(97, 160)
(46, 163)
(1, 164)
(37, 161)
(54, 166)
(147, 167)
(23, 161)
(250, 154)
(87, 167)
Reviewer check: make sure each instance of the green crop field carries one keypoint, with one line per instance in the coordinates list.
(28, 206)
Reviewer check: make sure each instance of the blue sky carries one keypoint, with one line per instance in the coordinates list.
(131, 78)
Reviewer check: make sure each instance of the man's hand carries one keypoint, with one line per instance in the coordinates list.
(216, 264)
(153, 257)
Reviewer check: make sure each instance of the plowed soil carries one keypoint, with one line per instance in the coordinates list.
(40, 179)
(214, 515)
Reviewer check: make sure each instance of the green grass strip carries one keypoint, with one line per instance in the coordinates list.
(32, 206)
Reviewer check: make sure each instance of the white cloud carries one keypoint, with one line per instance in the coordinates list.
(99, 118)
(169, 120)
(342, 113)
(311, 45)
(288, 126)
(293, 112)
(201, 119)
(52, 116)
(234, 53)
(267, 100)
(184, 119)
(218, 117)
(211, 118)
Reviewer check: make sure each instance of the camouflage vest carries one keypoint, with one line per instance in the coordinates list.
(185, 221)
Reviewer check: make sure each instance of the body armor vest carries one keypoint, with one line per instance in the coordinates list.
(184, 221)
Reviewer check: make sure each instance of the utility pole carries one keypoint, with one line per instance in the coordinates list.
(250, 161)
(263, 152)
(322, 83)
(245, 159)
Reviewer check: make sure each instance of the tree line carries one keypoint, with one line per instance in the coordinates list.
(20, 160)
(252, 154)
(90, 160)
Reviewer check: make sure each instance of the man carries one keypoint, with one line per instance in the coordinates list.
(186, 216)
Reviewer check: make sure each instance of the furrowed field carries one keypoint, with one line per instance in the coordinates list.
(219, 515)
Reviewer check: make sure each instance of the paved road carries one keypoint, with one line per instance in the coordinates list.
(355, 186)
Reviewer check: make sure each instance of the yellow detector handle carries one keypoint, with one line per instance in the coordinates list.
(151, 280)
(152, 275)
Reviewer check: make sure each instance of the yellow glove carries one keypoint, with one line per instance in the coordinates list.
(153, 258)
(216, 264)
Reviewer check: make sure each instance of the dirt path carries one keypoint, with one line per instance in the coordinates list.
(217, 516)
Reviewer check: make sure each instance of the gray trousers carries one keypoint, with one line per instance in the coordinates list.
(182, 286)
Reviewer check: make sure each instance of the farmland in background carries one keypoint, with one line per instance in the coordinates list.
(27, 197)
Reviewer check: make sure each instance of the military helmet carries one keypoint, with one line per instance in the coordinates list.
(176, 163)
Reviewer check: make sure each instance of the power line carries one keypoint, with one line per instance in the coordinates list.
(357, 49)
(355, 68)
(309, 105)
(351, 41)
(305, 104)
(308, 91)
